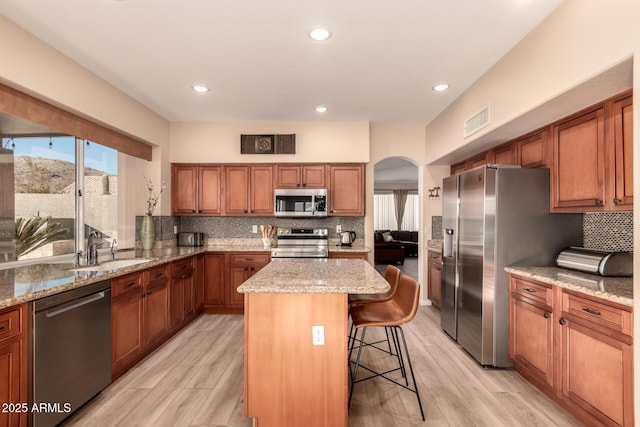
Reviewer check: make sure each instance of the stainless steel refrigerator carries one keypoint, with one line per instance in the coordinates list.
(494, 216)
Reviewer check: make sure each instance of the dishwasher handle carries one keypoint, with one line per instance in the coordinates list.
(75, 304)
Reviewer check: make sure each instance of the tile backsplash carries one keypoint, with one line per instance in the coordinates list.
(609, 231)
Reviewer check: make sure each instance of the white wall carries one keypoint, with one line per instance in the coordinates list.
(219, 142)
(579, 41)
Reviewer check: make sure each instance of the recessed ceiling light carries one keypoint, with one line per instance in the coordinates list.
(441, 87)
(200, 88)
(319, 34)
(321, 109)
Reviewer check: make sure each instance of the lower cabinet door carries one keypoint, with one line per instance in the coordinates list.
(10, 383)
(531, 341)
(126, 328)
(237, 276)
(177, 301)
(597, 373)
(156, 313)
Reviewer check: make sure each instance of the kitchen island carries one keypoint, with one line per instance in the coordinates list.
(288, 380)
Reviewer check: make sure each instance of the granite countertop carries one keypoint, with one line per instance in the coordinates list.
(434, 245)
(616, 289)
(31, 282)
(325, 276)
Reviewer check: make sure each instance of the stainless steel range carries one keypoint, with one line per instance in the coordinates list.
(301, 243)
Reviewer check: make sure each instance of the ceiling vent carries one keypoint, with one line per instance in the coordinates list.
(476, 122)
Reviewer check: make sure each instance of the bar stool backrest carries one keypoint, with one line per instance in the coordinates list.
(407, 297)
(392, 276)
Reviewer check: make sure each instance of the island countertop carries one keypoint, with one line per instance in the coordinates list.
(316, 276)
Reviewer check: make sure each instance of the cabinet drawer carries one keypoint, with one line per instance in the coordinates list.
(124, 284)
(10, 324)
(248, 259)
(183, 268)
(600, 313)
(533, 290)
(156, 275)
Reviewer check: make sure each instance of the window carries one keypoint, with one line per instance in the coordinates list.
(42, 201)
(384, 209)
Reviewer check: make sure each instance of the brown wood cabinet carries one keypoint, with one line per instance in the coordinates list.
(534, 150)
(346, 190)
(576, 348)
(349, 255)
(434, 289)
(196, 189)
(241, 266)
(14, 363)
(223, 273)
(139, 315)
(300, 176)
(579, 162)
(531, 339)
(620, 174)
(505, 154)
(248, 190)
(183, 307)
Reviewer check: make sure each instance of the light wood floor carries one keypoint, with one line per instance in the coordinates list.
(196, 379)
(410, 267)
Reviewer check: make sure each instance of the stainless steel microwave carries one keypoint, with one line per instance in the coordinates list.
(299, 203)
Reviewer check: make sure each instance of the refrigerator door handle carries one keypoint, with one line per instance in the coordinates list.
(447, 245)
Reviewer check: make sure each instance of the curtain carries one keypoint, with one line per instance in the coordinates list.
(384, 216)
(400, 199)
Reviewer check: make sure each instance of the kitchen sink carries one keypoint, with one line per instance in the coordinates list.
(112, 265)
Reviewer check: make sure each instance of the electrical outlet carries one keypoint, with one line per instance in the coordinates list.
(254, 229)
(175, 229)
(338, 229)
(317, 333)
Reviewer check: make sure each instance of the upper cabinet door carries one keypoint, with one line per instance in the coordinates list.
(534, 150)
(184, 189)
(236, 190)
(287, 176)
(622, 169)
(346, 190)
(210, 185)
(579, 162)
(261, 190)
(506, 154)
(313, 176)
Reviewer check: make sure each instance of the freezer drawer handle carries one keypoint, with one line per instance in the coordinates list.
(75, 304)
(532, 291)
(590, 311)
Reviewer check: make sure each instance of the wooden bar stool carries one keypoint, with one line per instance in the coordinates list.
(394, 313)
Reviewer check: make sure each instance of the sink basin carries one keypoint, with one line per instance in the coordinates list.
(112, 265)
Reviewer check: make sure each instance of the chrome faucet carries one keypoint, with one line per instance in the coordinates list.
(114, 249)
(93, 243)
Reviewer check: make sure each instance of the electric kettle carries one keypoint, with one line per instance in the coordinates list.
(347, 238)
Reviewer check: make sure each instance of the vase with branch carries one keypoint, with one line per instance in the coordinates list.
(148, 227)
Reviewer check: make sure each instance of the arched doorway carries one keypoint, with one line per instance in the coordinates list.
(397, 191)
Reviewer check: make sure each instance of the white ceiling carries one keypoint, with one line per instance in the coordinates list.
(255, 55)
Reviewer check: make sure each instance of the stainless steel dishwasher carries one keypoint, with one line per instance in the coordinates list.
(71, 351)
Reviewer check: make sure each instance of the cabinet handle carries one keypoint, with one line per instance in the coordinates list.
(616, 201)
(245, 211)
(193, 211)
(143, 295)
(199, 210)
(248, 259)
(246, 269)
(128, 285)
(562, 321)
(530, 290)
(590, 311)
(547, 314)
(598, 202)
(2, 328)
(304, 184)
(159, 274)
(149, 293)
